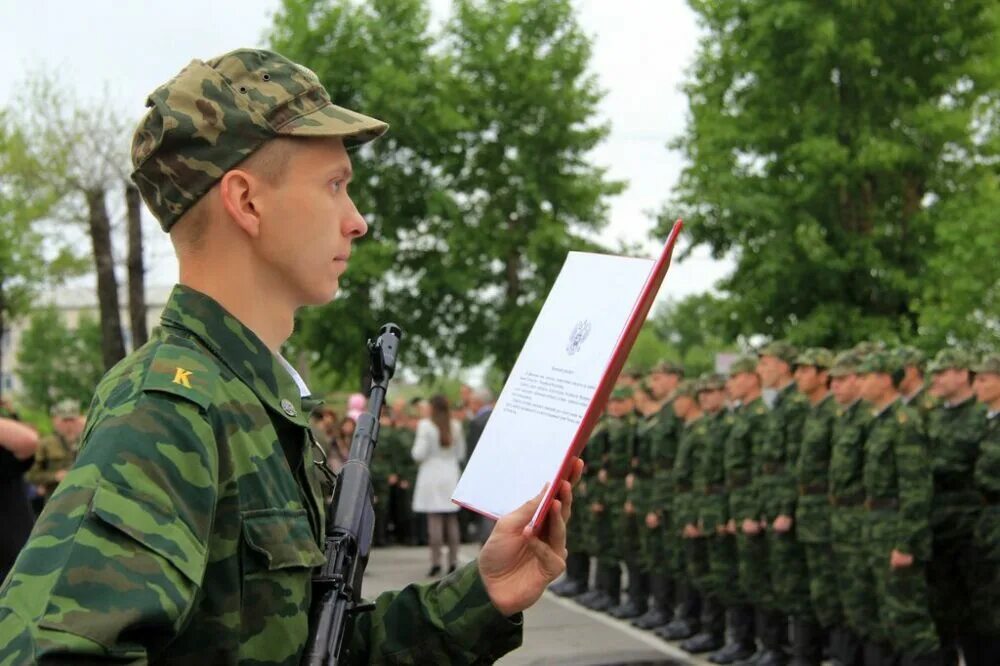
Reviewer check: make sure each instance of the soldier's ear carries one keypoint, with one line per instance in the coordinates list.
(237, 189)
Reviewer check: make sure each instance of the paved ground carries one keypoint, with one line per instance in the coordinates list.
(557, 631)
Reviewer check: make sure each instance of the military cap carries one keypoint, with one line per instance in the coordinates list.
(621, 393)
(846, 363)
(216, 113)
(867, 347)
(911, 356)
(66, 409)
(688, 387)
(743, 364)
(711, 382)
(668, 368)
(990, 363)
(947, 359)
(818, 357)
(782, 350)
(880, 361)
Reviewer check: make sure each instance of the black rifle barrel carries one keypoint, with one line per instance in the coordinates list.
(336, 586)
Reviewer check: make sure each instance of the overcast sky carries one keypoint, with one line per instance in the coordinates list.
(641, 51)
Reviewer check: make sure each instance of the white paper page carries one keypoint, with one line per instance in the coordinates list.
(553, 381)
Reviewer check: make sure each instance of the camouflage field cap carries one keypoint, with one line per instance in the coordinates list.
(216, 113)
(66, 409)
(846, 363)
(911, 356)
(711, 382)
(818, 357)
(880, 361)
(668, 368)
(866, 347)
(621, 393)
(990, 364)
(948, 359)
(782, 350)
(687, 388)
(743, 364)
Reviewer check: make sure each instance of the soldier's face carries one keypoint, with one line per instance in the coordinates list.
(69, 428)
(308, 222)
(874, 385)
(712, 401)
(987, 386)
(809, 378)
(682, 406)
(947, 383)
(662, 384)
(771, 370)
(845, 389)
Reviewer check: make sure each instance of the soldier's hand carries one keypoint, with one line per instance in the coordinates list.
(900, 560)
(61, 474)
(404, 484)
(751, 527)
(596, 507)
(602, 475)
(691, 531)
(652, 520)
(516, 566)
(630, 481)
(629, 507)
(40, 491)
(783, 523)
(731, 526)
(393, 479)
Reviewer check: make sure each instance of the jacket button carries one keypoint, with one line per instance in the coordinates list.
(286, 405)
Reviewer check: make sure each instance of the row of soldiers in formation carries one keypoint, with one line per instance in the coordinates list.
(812, 504)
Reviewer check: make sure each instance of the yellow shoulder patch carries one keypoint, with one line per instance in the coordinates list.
(901, 416)
(183, 371)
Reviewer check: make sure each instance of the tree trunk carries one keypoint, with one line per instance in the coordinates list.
(112, 344)
(136, 271)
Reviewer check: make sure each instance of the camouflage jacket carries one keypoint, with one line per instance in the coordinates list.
(646, 434)
(663, 452)
(709, 476)
(778, 491)
(693, 440)
(618, 458)
(812, 515)
(187, 530)
(743, 457)
(987, 476)
(954, 433)
(846, 486)
(897, 481)
(54, 454)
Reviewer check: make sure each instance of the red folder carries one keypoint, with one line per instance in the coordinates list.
(635, 321)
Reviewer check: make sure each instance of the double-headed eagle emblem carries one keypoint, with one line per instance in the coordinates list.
(579, 334)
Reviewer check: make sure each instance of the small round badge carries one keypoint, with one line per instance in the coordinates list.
(286, 405)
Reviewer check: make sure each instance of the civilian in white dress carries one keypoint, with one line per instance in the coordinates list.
(439, 449)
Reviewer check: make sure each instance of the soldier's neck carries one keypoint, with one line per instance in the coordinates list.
(751, 396)
(818, 395)
(885, 400)
(960, 396)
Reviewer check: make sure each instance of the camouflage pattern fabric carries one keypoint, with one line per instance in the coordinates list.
(54, 454)
(188, 528)
(687, 502)
(664, 455)
(812, 515)
(581, 536)
(713, 513)
(647, 436)
(954, 433)
(986, 540)
(898, 490)
(617, 464)
(215, 114)
(847, 521)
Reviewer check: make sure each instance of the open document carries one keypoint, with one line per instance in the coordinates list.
(561, 380)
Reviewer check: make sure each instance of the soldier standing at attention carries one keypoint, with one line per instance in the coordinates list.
(56, 452)
(955, 428)
(188, 528)
(741, 461)
(659, 544)
(812, 513)
(898, 486)
(981, 645)
(582, 541)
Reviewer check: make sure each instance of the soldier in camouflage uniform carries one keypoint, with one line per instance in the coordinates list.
(847, 514)
(608, 496)
(898, 487)
(981, 645)
(812, 513)
(954, 430)
(720, 587)
(56, 452)
(658, 448)
(187, 530)
(911, 388)
(742, 460)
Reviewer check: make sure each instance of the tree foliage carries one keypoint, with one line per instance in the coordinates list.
(829, 146)
(480, 186)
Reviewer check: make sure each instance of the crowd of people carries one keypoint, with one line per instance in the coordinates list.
(809, 505)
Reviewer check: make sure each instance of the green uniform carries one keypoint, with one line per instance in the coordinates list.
(694, 439)
(647, 435)
(898, 489)
(617, 464)
(582, 535)
(713, 511)
(779, 495)
(405, 468)
(847, 521)
(812, 515)
(665, 448)
(54, 455)
(187, 531)
(954, 433)
(986, 595)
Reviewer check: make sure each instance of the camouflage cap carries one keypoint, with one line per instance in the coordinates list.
(818, 357)
(866, 347)
(668, 368)
(687, 388)
(880, 361)
(711, 382)
(952, 358)
(66, 409)
(846, 363)
(621, 393)
(214, 114)
(989, 364)
(911, 356)
(782, 350)
(743, 364)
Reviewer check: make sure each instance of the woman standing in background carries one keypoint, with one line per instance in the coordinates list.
(439, 449)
